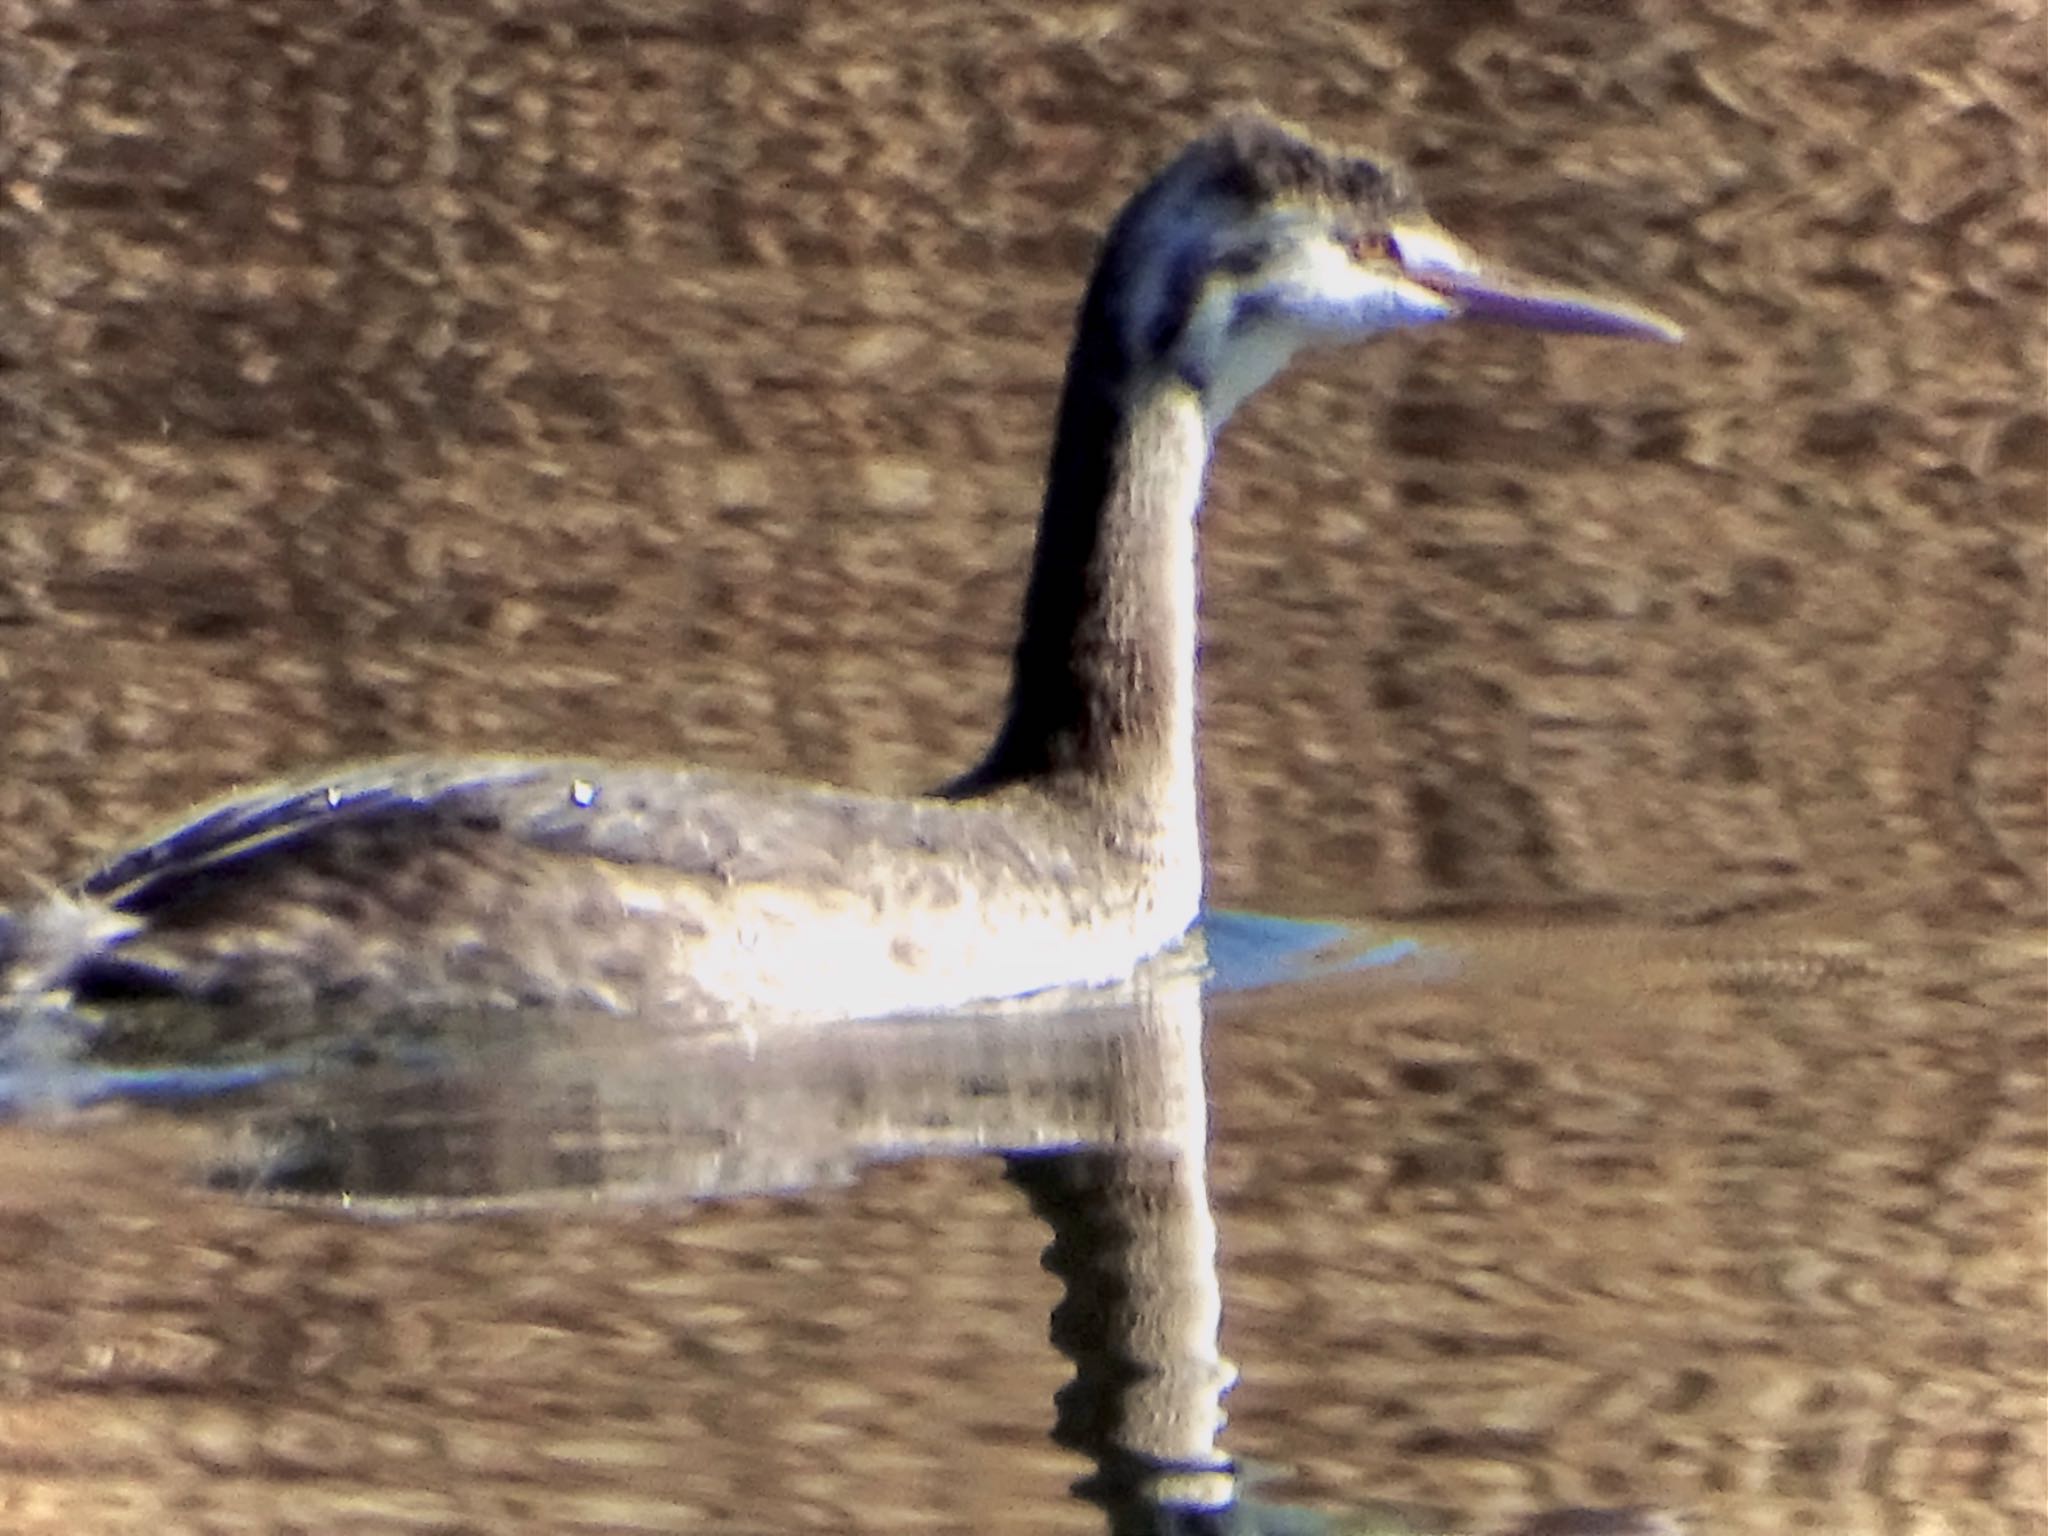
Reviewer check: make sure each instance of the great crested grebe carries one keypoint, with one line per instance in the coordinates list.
(1069, 854)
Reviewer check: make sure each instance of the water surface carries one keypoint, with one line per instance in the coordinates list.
(1738, 1222)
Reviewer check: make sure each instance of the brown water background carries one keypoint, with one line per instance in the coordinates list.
(655, 380)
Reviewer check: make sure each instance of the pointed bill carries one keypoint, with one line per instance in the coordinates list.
(1510, 301)
(1431, 259)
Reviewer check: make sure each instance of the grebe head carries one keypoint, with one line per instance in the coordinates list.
(1256, 242)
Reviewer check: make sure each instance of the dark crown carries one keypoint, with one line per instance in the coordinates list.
(1255, 160)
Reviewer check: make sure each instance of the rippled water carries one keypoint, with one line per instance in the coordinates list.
(1739, 1223)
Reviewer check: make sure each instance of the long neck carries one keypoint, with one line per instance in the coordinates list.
(1102, 703)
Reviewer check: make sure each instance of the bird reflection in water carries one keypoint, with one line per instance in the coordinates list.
(1097, 1106)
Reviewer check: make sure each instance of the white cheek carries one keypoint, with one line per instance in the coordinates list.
(1233, 359)
(1244, 364)
(1332, 298)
